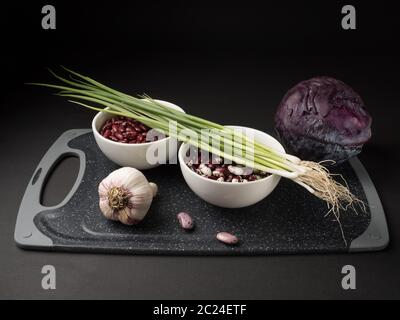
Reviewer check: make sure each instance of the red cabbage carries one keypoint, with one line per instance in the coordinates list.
(323, 118)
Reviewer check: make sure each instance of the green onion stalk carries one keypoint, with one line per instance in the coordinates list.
(313, 176)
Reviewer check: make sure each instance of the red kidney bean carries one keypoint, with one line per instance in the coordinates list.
(107, 133)
(131, 135)
(252, 177)
(185, 220)
(227, 238)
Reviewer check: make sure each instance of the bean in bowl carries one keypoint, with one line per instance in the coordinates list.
(216, 168)
(125, 130)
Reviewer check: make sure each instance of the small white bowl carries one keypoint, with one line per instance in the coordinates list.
(130, 155)
(228, 194)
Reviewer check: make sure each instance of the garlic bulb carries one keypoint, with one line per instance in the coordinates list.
(126, 195)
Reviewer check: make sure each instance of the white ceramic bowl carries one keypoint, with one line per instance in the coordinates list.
(228, 194)
(130, 155)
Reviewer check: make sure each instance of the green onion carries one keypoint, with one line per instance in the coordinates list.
(313, 176)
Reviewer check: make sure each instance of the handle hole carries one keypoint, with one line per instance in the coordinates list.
(59, 181)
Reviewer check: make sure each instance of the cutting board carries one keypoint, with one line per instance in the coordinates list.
(288, 221)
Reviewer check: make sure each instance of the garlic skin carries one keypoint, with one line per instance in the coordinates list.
(126, 195)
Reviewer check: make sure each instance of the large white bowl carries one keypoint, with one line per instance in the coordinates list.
(228, 194)
(130, 155)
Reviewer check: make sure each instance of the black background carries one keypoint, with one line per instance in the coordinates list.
(228, 61)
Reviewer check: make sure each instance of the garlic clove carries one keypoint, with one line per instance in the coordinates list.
(124, 217)
(154, 188)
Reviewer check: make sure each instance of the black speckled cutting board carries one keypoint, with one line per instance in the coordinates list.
(289, 220)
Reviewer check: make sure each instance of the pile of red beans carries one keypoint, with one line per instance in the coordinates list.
(125, 130)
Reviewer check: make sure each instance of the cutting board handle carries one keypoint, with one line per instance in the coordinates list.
(31, 204)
